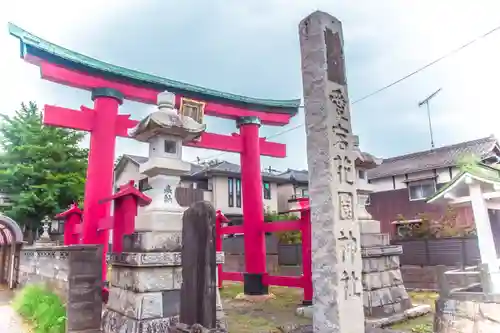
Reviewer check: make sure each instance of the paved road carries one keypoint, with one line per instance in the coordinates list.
(9, 321)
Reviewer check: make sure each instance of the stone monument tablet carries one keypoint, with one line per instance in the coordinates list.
(336, 251)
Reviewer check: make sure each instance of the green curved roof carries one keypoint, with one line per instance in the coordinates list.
(31, 44)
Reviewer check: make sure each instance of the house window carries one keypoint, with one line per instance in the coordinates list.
(238, 192)
(144, 185)
(305, 193)
(267, 191)
(421, 190)
(202, 184)
(361, 174)
(230, 192)
(170, 147)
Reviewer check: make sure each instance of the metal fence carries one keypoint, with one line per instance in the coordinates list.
(439, 251)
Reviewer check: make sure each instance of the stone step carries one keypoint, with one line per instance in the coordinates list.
(370, 240)
(369, 226)
(152, 259)
(140, 306)
(379, 264)
(152, 241)
(385, 279)
(113, 322)
(381, 251)
(146, 279)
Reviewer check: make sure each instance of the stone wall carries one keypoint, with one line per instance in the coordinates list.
(72, 272)
(467, 316)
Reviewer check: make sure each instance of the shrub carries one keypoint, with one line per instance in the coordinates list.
(284, 237)
(42, 308)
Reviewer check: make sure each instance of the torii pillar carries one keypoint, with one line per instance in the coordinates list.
(104, 124)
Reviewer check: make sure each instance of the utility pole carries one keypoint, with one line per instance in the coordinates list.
(426, 102)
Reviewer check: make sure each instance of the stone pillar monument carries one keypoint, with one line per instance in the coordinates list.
(385, 296)
(336, 253)
(145, 282)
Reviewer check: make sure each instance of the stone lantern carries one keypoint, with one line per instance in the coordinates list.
(165, 131)
(146, 280)
(363, 163)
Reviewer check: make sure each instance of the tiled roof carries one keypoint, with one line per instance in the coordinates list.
(299, 176)
(223, 167)
(227, 168)
(442, 157)
(31, 44)
(137, 159)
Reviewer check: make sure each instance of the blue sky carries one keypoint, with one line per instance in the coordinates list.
(251, 48)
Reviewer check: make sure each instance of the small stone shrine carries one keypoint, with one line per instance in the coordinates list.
(384, 295)
(44, 239)
(144, 293)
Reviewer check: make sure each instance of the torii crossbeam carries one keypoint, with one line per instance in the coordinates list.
(110, 84)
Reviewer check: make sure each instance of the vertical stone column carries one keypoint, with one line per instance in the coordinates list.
(336, 255)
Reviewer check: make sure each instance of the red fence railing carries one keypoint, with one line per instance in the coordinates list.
(303, 225)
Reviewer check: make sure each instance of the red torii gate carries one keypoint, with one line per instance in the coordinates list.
(110, 85)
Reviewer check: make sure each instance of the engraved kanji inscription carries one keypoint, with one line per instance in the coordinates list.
(339, 101)
(341, 133)
(168, 194)
(349, 246)
(345, 205)
(344, 169)
(345, 279)
(356, 289)
(351, 284)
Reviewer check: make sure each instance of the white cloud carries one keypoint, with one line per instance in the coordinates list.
(384, 41)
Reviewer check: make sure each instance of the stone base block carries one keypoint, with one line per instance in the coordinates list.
(413, 312)
(153, 241)
(142, 306)
(384, 279)
(114, 322)
(381, 251)
(307, 328)
(153, 259)
(159, 221)
(143, 279)
(369, 226)
(386, 301)
(379, 264)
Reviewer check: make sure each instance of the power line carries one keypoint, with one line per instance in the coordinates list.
(450, 53)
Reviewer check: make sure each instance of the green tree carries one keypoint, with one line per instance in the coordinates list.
(42, 168)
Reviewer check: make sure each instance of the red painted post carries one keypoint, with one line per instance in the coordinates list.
(99, 183)
(127, 200)
(218, 243)
(305, 216)
(253, 207)
(128, 207)
(72, 218)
